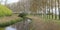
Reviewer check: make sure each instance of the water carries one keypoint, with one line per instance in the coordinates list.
(19, 26)
(10, 28)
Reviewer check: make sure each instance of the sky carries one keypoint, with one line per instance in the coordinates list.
(10, 1)
(10, 28)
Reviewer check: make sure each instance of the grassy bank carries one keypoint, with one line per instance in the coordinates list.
(10, 22)
(2, 28)
(43, 23)
(49, 17)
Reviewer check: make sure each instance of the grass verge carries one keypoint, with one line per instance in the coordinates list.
(10, 22)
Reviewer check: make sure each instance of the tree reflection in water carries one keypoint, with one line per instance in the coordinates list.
(23, 25)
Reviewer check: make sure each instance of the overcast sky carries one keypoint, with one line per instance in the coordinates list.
(10, 1)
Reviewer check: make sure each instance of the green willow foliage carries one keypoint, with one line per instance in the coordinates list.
(4, 11)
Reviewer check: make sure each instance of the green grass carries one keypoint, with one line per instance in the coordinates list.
(10, 22)
(55, 17)
(4, 11)
(2, 28)
(48, 18)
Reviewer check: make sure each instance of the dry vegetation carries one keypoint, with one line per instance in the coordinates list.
(42, 24)
(8, 18)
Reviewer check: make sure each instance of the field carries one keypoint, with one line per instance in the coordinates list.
(40, 23)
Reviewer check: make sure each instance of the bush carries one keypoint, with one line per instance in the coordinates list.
(22, 15)
(4, 11)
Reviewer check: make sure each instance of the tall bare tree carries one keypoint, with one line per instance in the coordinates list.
(6, 2)
(1, 1)
(35, 4)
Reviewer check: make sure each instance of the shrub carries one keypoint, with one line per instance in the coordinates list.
(4, 11)
(22, 15)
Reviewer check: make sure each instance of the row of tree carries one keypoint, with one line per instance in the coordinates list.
(5, 1)
(33, 5)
